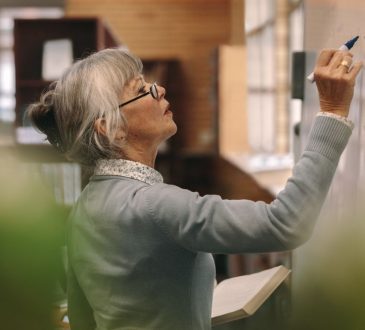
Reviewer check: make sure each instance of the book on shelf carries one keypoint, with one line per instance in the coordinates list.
(241, 296)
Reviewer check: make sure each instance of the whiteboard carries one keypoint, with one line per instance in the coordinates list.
(328, 24)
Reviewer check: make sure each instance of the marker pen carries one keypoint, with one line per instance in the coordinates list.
(347, 46)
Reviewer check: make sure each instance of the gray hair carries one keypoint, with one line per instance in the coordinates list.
(88, 90)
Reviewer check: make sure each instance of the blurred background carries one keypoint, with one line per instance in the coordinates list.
(235, 73)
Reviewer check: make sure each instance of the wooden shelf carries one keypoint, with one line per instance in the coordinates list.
(32, 83)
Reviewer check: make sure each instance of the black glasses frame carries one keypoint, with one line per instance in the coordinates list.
(153, 91)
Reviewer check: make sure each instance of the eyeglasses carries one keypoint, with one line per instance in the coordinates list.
(153, 91)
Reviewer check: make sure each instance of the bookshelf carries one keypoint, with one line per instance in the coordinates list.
(87, 35)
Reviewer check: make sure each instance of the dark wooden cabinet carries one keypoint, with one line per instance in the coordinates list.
(87, 35)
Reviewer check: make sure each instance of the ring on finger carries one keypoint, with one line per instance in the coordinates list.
(345, 63)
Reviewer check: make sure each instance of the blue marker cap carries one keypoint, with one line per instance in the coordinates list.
(351, 42)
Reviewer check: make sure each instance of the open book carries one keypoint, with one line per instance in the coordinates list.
(241, 296)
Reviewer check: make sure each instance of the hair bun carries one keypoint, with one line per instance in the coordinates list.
(42, 115)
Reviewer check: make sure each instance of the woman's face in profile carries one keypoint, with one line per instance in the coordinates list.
(149, 117)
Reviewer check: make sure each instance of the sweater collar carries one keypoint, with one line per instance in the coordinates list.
(128, 169)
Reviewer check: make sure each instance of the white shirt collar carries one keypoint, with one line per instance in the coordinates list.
(129, 169)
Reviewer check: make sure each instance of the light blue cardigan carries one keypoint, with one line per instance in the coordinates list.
(140, 252)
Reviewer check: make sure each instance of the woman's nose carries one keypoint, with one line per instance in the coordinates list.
(161, 91)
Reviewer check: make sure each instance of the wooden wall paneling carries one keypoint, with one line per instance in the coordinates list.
(232, 114)
(237, 22)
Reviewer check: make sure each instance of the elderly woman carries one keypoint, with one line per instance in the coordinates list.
(140, 249)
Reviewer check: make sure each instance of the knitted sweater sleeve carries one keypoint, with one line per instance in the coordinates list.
(211, 224)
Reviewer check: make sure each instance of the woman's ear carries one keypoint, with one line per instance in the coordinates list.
(100, 127)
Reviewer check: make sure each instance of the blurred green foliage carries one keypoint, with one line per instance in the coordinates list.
(31, 234)
(332, 288)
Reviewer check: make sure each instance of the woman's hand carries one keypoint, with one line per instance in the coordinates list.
(335, 78)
